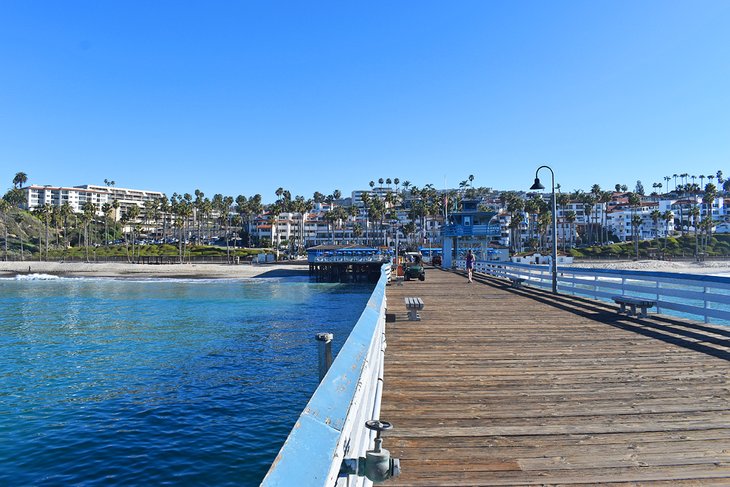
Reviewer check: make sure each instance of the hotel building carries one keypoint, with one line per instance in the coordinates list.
(77, 196)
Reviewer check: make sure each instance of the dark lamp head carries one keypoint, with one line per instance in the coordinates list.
(537, 184)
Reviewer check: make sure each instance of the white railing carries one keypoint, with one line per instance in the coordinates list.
(686, 295)
(332, 425)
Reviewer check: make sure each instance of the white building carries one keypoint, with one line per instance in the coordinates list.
(619, 222)
(77, 196)
(379, 192)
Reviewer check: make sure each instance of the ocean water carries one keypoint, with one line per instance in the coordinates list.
(149, 382)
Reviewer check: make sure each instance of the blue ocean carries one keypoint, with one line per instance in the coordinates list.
(153, 382)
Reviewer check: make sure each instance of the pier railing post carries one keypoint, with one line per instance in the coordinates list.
(324, 347)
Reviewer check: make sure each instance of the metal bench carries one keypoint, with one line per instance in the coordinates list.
(517, 281)
(414, 305)
(642, 304)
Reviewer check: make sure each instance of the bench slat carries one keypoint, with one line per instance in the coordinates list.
(636, 301)
(413, 304)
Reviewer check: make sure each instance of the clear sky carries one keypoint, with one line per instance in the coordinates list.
(242, 97)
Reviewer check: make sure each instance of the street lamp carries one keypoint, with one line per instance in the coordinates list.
(535, 186)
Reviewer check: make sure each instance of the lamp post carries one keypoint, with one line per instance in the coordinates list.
(535, 186)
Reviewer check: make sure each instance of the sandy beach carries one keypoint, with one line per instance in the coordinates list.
(685, 267)
(201, 271)
(212, 271)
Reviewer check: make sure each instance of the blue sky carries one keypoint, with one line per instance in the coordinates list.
(244, 97)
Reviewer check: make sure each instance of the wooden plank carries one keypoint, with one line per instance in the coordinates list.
(505, 386)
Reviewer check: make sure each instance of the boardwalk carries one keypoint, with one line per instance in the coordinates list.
(497, 386)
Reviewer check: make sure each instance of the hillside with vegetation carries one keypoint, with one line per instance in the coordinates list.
(683, 247)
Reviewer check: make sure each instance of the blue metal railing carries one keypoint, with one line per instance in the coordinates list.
(470, 230)
(332, 425)
(686, 295)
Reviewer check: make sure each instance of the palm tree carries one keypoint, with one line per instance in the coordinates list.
(635, 224)
(603, 199)
(164, 206)
(199, 213)
(589, 201)
(570, 218)
(107, 209)
(635, 202)
(255, 208)
(515, 207)
(544, 223)
(366, 205)
(227, 204)
(42, 213)
(5, 209)
(562, 199)
(694, 213)
(597, 192)
(19, 180)
(668, 216)
(274, 211)
(132, 215)
(64, 212)
(708, 199)
(19, 221)
(655, 216)
(47, 211)
(115, 214)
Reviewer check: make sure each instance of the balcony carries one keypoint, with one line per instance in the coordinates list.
(471, 231)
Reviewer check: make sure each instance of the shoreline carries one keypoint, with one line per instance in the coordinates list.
(161, 271)
(247, 271)
(682, 267)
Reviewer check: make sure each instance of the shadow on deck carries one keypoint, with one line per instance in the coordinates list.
(505, 386)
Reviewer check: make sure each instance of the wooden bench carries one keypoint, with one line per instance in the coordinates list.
(517, 281)
(414, 305)
(642, 304)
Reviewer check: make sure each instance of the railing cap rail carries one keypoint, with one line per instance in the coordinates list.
(311, 450)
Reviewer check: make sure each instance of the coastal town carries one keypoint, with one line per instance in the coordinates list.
(47, 222)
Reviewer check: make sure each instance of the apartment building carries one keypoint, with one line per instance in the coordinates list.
(77, 196)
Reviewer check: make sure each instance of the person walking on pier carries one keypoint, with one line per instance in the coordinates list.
(469, 264)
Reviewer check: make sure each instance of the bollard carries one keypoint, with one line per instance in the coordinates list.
(324, 345)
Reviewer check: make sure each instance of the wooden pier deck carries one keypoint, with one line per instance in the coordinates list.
(502, 386)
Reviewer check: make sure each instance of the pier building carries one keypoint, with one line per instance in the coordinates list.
(470, 229)
(346, 263)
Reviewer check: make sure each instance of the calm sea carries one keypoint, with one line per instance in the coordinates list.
(178, 382)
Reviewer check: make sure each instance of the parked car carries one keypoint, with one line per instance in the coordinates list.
(436, 260)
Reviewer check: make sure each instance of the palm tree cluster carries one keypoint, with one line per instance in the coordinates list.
(194, 219)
